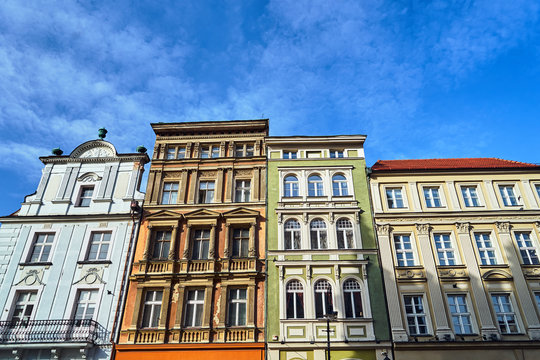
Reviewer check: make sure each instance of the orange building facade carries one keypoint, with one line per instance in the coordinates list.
(197, 283)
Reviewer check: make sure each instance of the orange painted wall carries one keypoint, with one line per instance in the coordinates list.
(186, 352)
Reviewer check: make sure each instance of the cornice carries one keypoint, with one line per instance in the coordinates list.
(121, 158)
(65, 218)
(209, 137)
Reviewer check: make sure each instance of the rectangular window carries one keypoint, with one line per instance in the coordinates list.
(445, 250)
(24, 306)
(537, 298)
(537, 186)
(201, 243)
(289, 154)
(404, 250)
(507, 195)
(416, 316)
(86, 305)
(215, 151)
(205, 152)
(431, 194)
(526, 248)
(41, 248)
(237, 307)
(85, 198)
(506, 318)
(171, 152)
(162, 244)
(99, 246)
(240, 242)
(394, 198)
(181, 153)
(194, 308)
(470, 197)
(485, 249)
(243, 150)
(334, 154)
(206, 192)
(170, 193)
(242, 191)
(152, 309)
(461, 317)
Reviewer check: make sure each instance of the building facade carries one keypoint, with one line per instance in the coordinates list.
(322, 256)
(64, 254)
(459, 247)
(197, 282)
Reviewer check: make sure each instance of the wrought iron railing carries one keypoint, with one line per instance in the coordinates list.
(49, 331)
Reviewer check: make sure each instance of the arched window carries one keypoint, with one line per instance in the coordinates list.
(315, 186)
(339, 185)
(295, 300)
(318, 234)
(353, 299)
(323, 298)
(291, 186)
(292, 235)
(345, 238)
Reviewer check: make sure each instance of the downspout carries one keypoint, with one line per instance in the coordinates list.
(119, 313)
(368, 176)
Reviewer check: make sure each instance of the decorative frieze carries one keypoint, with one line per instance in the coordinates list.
(503, 227)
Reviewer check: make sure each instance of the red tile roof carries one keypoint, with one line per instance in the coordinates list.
(443, 164)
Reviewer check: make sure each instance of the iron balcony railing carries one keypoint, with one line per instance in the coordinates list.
(49, 331)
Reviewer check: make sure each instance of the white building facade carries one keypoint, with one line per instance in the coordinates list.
(63, 255)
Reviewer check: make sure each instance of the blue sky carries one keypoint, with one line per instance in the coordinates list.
(422, 79)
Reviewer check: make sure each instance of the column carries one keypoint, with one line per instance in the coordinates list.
(376, 196)
(151, 177)
(187, 242)
(146, 254)
(223, 305)
(392, 293)
(453, 195)
(262, 196)
(192, 187)
(172, 250)
(136, 308)
(486, 325)
(491, 194)
(252, 229)
(179, 306)
(256, 185)
(164, 307)
(529, 199)
(207, 306)
(251, 305)
(227, 241)
(231, 149)
(43, 183)
(222, 150)
(156, 186)
(442, 327)
(229, 188)
(414, 195)
(182, 187)
(219, 186)
(522, 289)
(195, 153)
(212, 245)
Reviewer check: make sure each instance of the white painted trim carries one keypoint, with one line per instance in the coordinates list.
(6, 315)
(31, 239)
(86, 242)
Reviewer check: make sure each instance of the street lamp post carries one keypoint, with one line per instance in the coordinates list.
(332, 315)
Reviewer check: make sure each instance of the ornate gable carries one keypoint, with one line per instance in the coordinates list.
(496, 274)
(241, 212)
(94, 149)
(202, 213)
(164, 215)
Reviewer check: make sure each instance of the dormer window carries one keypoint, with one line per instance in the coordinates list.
(85, 197)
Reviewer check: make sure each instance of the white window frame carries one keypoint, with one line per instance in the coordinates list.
(76, 303)
(72, 299)
(294, 291)
(80, 197)
(493, 248)
(349, 293)
(289, 154)
(292, 231)
(12, 299)
(32, 236)
(298, 194)
(153, 304)
(319, 231)
(207, 182)
(505, 314)
(468, 314)
(429, 203)
(479, 197)
(343, 230)
(88, 236)
(316, 291)
(334, 154)
(196, 303)
(100, 242)
(504, 196)
(445, 250)
(236, 303)
(412, 250)
(527, 249)
(403, 197)
(174, 189)
(342, 185)
(200, 240)
(25, 304)
(415, 315)
(318, 185)
(536, 191)
(243, 190)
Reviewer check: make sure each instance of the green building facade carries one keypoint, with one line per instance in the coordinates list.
(322, 252)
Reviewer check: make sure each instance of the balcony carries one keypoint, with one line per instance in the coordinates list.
(196, 266)
(50, 331)
(241, 264)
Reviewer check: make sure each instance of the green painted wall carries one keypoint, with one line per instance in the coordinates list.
(376, 294)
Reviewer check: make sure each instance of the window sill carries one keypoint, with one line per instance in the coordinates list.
(44, 263)
(94, 262)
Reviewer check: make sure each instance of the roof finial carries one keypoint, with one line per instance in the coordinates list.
(102, 133)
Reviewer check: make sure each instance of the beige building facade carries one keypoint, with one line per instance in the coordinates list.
(459, 243)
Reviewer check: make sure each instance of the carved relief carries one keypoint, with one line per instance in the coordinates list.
(89, 177)
(453, 273)
(176, 293)
(463, 228)
(532, 273)
(503, 227)
(172, 175)
(91, 276)
(423, 229)
(207, 173)
(97, 152)
(411, 274)
(32, 277)
(383, 229)
(242, 172)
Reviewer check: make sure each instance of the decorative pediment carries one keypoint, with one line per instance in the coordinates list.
(94, 149)
(164, 215)
(202, 213)
(241, 212)
(89, 177)
(496, 274)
